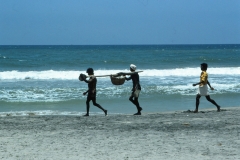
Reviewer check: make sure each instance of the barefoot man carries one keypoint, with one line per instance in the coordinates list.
(203, 89)
(92, 83)
(135, 89)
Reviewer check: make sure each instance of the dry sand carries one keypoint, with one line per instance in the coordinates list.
(176, 136)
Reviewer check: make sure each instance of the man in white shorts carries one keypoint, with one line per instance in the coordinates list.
(203, 88)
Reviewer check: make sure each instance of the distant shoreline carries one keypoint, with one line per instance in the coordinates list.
(92, 45)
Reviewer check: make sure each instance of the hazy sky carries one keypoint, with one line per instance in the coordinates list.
(88, 22)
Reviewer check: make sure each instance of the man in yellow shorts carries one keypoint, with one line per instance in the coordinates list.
(203, 88)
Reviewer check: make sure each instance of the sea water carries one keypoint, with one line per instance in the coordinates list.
(44, 79)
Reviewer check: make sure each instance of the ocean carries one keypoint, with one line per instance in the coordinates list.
(43, 80)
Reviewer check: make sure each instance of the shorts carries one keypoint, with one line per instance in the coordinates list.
(136, 93)
(203, 90)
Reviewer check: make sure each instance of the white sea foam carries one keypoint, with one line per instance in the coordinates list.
(40, 95)
(68, 94)
(37, 113)
(72, 75)
(48, 112)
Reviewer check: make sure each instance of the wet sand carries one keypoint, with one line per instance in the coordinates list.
(169, 136)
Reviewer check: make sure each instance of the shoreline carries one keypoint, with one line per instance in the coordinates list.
(173, 135)
(100, 113)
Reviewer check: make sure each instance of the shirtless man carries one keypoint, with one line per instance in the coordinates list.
(92, 83)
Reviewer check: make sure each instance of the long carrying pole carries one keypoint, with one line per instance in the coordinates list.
(113, 76)
(118, 74)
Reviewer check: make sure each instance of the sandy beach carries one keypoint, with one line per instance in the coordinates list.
(178, 135)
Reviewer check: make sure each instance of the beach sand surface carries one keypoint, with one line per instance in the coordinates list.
(207, 135)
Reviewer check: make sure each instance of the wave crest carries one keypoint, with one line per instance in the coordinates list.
(72, 75)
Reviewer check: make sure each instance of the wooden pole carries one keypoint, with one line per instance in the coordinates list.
(118, 74)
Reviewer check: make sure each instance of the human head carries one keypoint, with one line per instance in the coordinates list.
(133, 67)
(90, 71)
(204, 66)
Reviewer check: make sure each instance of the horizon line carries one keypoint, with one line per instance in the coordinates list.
(114, 44)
